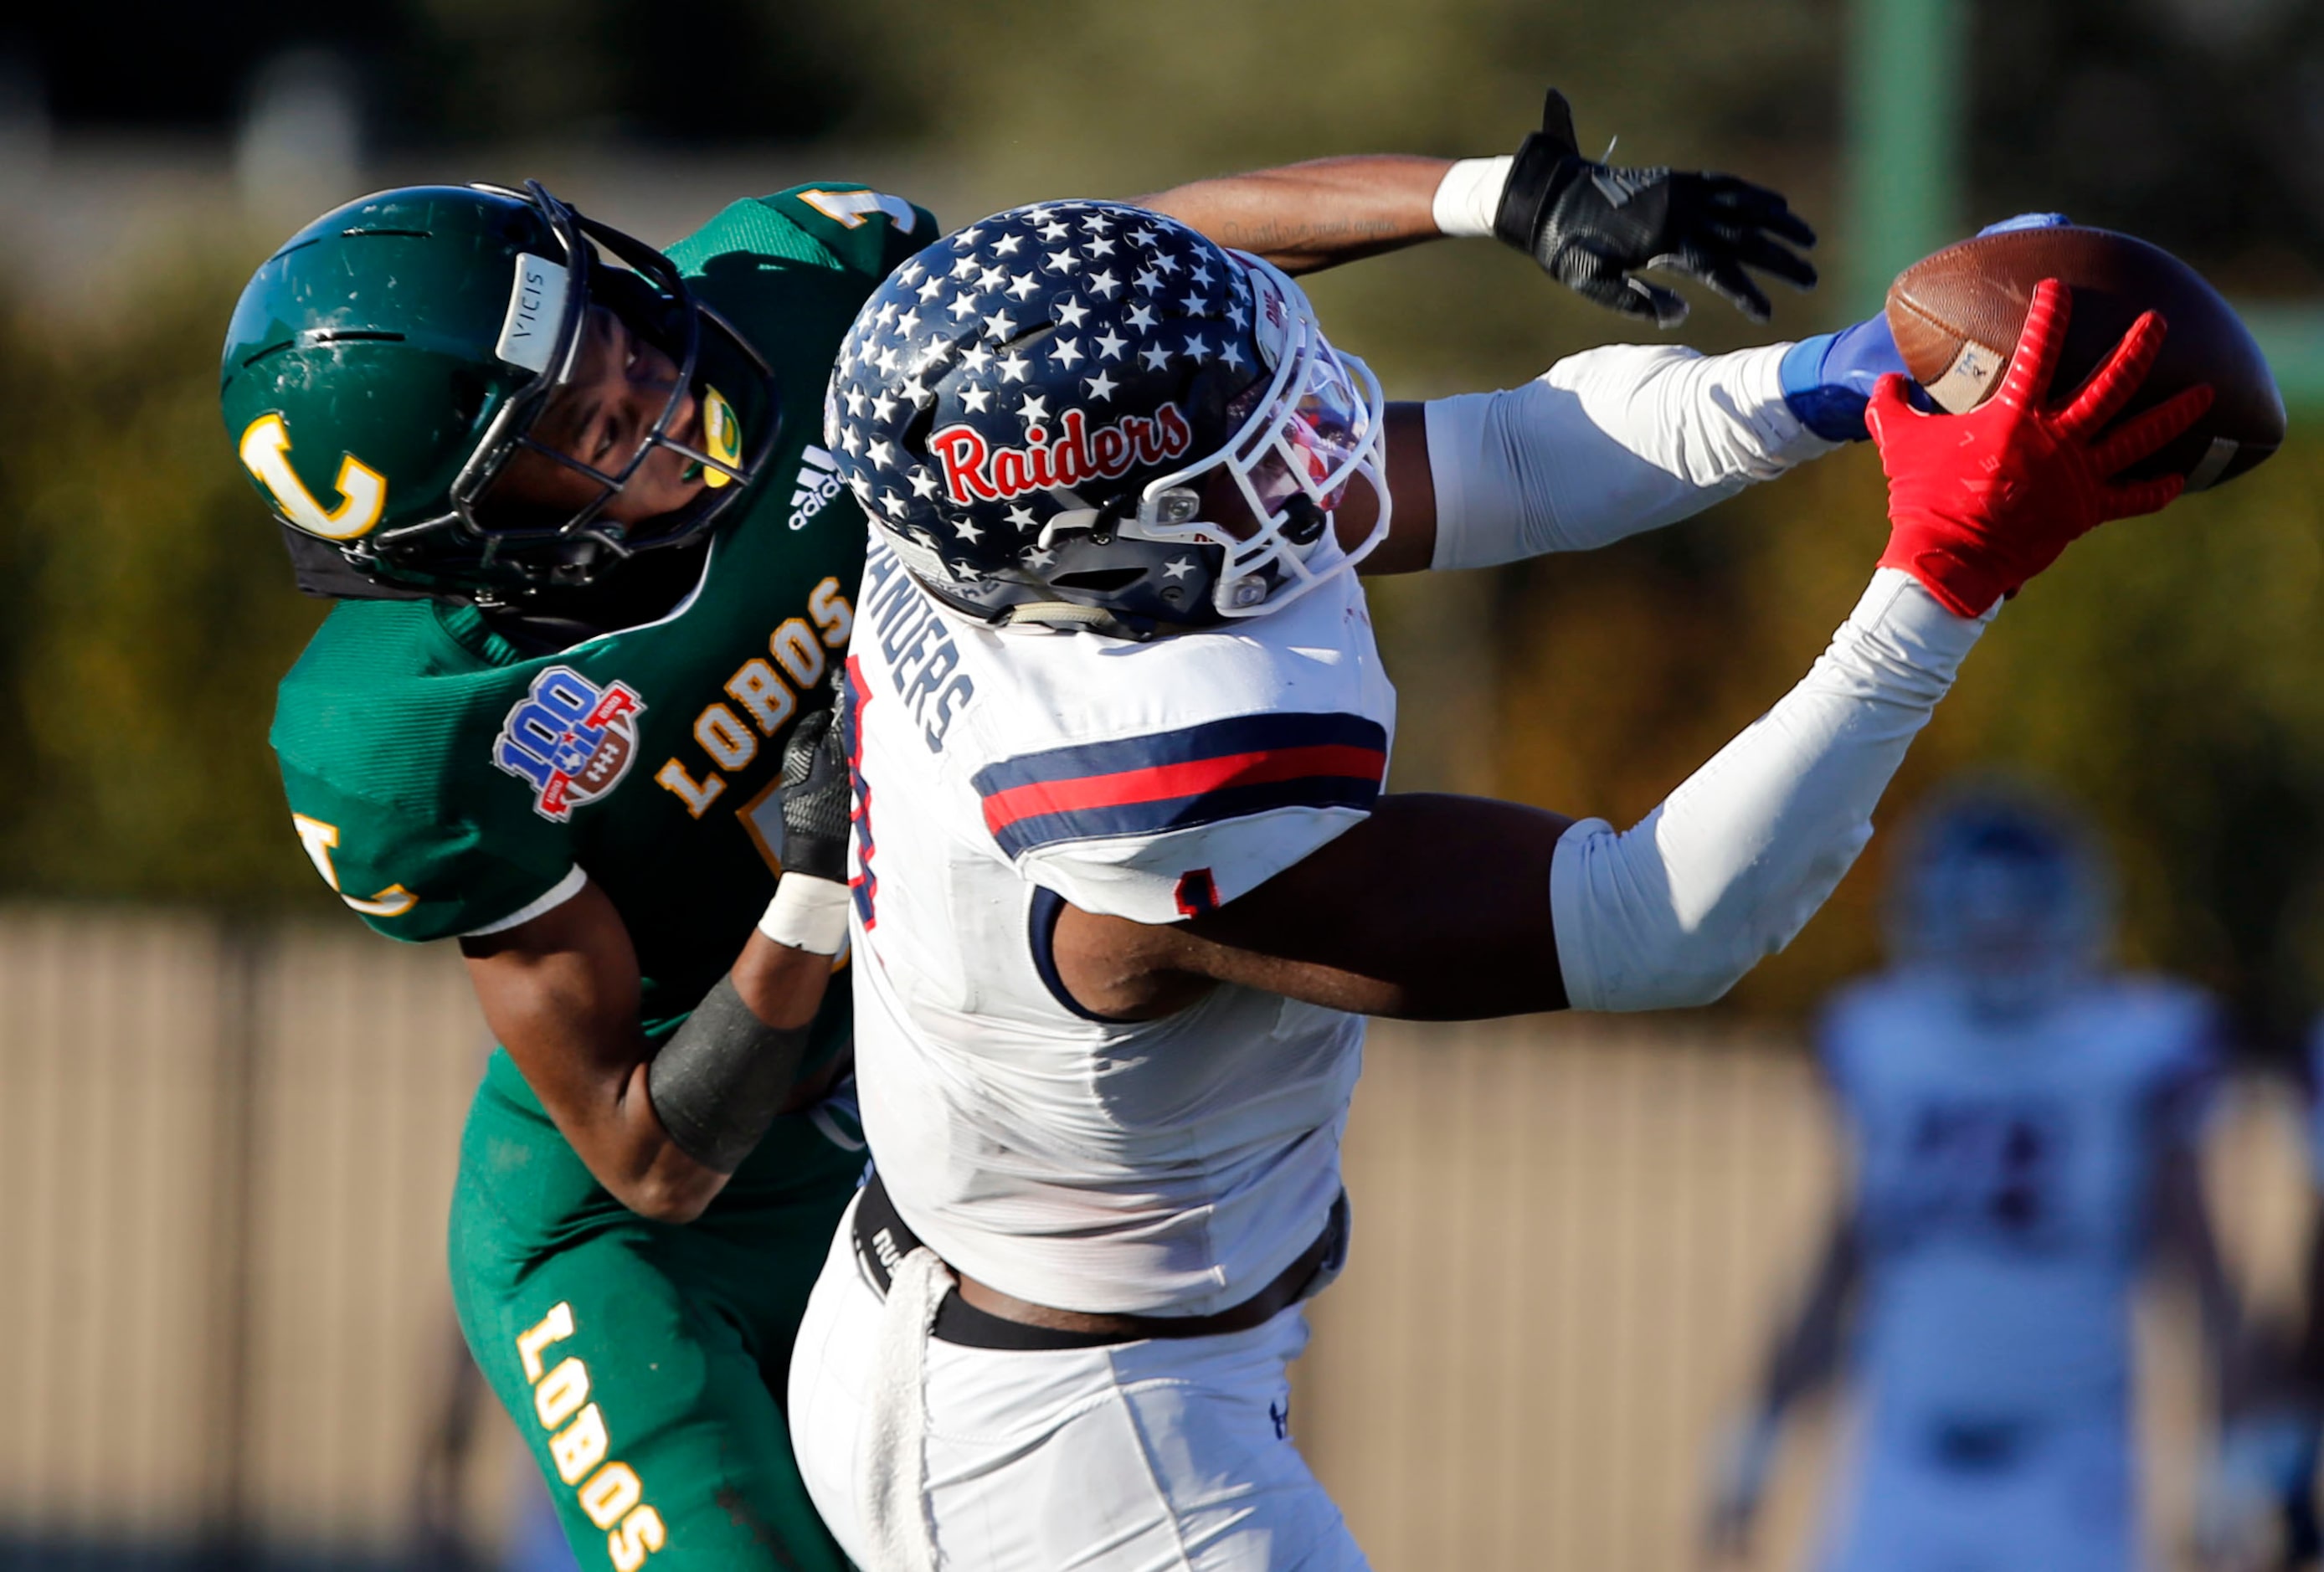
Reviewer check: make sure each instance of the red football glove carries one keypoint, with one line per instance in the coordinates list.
(1979, 504)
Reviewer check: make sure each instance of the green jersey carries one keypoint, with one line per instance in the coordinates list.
(444, 782)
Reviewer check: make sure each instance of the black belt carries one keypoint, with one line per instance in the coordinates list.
(882, 1240)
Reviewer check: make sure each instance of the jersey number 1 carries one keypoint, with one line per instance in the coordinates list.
(319, 838)
(849, 209)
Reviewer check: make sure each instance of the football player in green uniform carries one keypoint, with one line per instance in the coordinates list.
(571, 710)
(592, 579)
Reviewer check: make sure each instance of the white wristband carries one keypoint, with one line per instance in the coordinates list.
(807, 914)
(1470, 195)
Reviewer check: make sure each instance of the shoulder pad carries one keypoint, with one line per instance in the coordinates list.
(833, 223)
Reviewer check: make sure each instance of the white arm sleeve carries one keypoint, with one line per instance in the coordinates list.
(1605, 444)
(1674, 910)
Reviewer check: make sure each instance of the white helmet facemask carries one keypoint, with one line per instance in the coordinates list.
(1315, 425)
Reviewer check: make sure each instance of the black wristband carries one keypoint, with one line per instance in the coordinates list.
(1546, 161)
(1541, 170)
(718, 1082)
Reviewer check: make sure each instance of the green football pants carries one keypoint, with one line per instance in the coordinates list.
(645, 1362)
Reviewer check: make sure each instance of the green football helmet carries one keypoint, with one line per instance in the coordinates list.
(385, 364)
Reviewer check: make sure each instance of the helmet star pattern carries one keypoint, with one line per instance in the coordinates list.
(1013, 404)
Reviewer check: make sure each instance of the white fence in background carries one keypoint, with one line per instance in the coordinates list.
(225, 1155)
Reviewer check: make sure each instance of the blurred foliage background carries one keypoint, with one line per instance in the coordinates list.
(2166, 675)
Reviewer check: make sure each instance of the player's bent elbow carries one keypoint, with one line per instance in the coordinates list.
(1671, 981)
(658, 1200)
(1649, 959)
(671, 1188)
(1706, 984)
(1635, 933)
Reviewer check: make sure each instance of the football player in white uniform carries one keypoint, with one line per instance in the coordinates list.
(1125, 876)
(2021, 1123)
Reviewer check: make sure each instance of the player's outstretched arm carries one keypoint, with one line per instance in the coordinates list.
(1606, 445)
(1804, 1357)
(1592, 226)
(1616, 441)
(1603, 445)
(663, 1129)
(1304, 217)
(2179, 1214)
(1433, 908)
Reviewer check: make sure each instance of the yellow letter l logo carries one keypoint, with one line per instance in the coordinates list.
(363, 490)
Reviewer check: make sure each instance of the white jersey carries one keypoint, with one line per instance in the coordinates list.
(1174, 1166)
(2003, 1173)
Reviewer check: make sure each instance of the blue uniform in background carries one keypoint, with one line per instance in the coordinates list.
(2316, 1105)
(2005, 1167)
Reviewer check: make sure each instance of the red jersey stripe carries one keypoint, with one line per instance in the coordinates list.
(1161, 783)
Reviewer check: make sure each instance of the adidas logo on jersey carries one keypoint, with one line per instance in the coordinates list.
(818, 484)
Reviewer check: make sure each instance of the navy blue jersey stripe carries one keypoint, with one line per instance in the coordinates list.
(1211, 740)
(1041, 929)
(1155, 818)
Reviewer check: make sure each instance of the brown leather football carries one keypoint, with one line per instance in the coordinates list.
(1956, 315)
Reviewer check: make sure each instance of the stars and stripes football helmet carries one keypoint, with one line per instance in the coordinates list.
(1086, 415)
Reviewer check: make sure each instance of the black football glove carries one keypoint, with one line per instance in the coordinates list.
(815, 796)
(1593, 226)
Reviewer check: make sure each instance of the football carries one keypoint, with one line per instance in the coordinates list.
(1956, 316)
(606, 765)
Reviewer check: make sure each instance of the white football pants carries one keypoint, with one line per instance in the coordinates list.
(1166, 1455)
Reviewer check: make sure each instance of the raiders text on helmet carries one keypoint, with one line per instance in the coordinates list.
(1086, 415)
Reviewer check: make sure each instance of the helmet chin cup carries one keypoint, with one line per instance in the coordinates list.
(1178, 505)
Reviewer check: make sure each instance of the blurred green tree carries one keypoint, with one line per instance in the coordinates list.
(2163, 675)
(147, 612)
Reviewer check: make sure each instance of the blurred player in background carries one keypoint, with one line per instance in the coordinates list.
(593, 574)
(2022, 1125)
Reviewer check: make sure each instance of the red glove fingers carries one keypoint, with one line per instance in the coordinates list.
(2137, 440)
(2118, 376)
(1979, 504)
(2040, 343)
(2108, 390)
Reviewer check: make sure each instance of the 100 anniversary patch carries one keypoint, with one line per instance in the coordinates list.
(571, 738)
